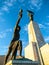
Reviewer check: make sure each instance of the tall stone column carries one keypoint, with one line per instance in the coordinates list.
(36, 41)
(31, 48)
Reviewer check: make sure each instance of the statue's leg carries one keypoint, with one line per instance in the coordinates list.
(14, 54)
(20, 48)
(6, 58)
(17, 46)
(14, 51)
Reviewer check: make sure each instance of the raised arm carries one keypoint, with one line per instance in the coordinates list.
(20, 16)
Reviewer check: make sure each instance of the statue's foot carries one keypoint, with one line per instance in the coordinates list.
(19, 57)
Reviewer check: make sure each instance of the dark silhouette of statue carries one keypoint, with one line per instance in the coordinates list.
(15, 44)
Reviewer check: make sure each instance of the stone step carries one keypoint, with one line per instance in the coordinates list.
(22, 62)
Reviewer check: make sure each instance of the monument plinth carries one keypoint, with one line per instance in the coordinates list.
(22, 61)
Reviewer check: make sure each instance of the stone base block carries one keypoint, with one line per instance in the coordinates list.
(22, 62)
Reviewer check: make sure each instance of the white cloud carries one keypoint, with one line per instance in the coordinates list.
(47, 16)
(5, 8)
(8, 3)
(24, 43)
(21, 1)
(41, 26)
(32, 4)
(31, 7)
(13, 1)
(3, 34)
(47, 39)
(9, 30)
(26, 27)
(36, 3)
(47, 24)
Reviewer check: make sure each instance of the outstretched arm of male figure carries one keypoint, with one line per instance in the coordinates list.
(20, 16)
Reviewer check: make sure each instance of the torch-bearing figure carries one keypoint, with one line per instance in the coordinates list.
(15, 44)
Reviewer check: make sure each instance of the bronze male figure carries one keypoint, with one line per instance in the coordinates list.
(15, 44)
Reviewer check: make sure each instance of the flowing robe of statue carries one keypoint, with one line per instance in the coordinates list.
(15, 44)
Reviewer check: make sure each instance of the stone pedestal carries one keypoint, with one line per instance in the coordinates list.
(22, 62)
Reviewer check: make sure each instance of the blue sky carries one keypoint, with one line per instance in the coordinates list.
(9, 10)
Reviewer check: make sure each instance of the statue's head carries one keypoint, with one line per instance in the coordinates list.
(18, 28)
